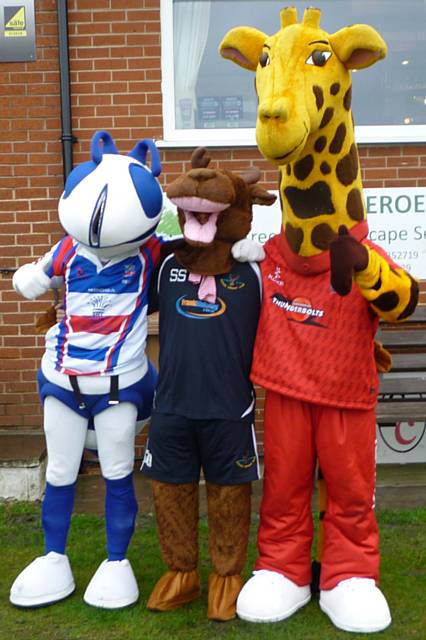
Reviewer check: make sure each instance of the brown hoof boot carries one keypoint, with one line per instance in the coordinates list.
(174, 589)
(223, 594)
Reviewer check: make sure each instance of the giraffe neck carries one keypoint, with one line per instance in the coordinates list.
(322, 189)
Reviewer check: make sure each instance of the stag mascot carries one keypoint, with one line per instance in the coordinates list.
(94, 368)
(325, 288)
(204, 404)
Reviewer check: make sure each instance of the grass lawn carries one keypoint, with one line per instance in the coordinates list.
(403, 543)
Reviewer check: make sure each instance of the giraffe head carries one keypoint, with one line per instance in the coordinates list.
(304, 118)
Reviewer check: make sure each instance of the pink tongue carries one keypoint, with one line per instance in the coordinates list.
(207, 288)
(197, 232)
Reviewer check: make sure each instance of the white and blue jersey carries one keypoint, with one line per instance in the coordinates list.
(105, 325)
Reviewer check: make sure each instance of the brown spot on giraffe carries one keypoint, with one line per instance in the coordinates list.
(312, 202)
(320, 144)
(347, 167)
(328, 114)
(322, 235)
(412, 303)
(319, 96)
(354, 205)
(347, 99)
(294, 237)
(325, 168)
(303, 167)
(338, 140)
(387, 301)
(335, 88)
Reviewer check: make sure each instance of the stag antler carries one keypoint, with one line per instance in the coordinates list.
(251, 176)
(199, 158)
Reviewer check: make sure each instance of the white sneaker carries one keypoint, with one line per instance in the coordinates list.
(269, 597)
(46, 580)
(356, 605)
(113, 586)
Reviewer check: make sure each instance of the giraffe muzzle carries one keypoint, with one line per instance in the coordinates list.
(278, 109)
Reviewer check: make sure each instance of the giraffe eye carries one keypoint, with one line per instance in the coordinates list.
(318, 58)
(264, 59)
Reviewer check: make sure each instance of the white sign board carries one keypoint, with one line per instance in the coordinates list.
(396, 219)
(401, 442)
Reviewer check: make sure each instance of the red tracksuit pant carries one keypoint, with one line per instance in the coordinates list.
(297, 434)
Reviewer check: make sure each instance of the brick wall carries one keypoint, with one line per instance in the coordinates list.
(115, 85)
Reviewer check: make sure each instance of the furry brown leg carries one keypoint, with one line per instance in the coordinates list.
(229, 524)
(176, 509)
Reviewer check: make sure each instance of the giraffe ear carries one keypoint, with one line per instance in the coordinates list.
(358, 46)
(243, 45)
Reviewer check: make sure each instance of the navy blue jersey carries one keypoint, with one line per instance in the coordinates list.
(206, 348)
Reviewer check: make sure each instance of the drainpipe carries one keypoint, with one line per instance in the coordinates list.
(67, 137)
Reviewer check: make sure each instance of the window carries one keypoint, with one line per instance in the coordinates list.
(209, 100)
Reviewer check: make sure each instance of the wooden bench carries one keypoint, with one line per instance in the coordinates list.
(402, 395)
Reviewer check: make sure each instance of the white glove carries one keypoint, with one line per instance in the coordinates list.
(30, 280)
(247, 250)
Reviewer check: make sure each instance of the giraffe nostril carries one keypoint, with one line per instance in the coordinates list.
(277, 110)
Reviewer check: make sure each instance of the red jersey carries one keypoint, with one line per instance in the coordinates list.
(313, 344)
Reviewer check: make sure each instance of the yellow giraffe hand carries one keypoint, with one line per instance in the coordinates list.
(392, 292)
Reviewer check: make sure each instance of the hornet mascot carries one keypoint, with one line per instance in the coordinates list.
(94, 370)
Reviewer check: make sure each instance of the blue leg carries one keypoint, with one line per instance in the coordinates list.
(121, 508)
(56, 516)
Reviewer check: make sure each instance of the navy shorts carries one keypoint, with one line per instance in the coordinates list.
(178, 448)
(140, 394)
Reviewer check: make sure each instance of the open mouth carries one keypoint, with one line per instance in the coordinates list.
(294, 148)
(200, 218)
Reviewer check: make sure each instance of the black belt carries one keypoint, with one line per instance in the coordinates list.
(113, 391)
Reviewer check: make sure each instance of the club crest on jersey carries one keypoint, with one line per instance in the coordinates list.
(299, 309)
(99, 305)
(200, 309)
(129, 273)
(276, 277)
(232, 282)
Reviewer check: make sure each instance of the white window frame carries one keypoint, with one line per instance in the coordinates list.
(173, 137)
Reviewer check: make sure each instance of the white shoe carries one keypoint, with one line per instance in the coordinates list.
(269, 597)
(356, 605)
(113, 586)
(46, 580)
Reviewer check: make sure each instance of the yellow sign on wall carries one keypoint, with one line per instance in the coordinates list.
(15, 27)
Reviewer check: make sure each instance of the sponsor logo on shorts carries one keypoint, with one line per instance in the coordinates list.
(299, 309)
(232, 282)
(200, 309)
(246, 462)
(147, 458)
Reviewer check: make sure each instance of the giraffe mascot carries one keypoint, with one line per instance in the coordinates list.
(325, 288)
